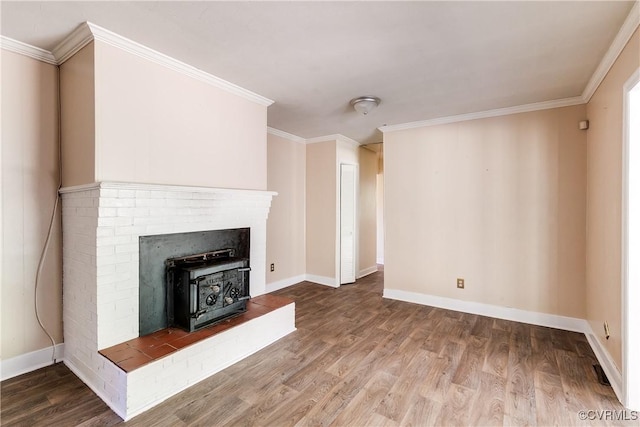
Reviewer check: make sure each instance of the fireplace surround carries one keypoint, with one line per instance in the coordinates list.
(102, 226)
(156, 250)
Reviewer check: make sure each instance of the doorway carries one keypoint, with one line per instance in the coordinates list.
(348, 176)
(631, 244)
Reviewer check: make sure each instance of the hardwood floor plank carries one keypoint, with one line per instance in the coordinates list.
(103, 419)
(380, 421)
(395, 404)
(423, 412)
(497, 355)
(456, 410)
(488, 405)
(520, 365)
(471, 363)
(347, 362)
(357, 359)
(544, 357)
(550, 403)
(438, 379)
(503, 325)
(482, 327)
(358, 411)
(218, 411)
(276, 396)
(520, 410)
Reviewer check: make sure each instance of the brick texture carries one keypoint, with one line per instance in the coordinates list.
(102, 224)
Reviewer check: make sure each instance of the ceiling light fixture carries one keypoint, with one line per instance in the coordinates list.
(365, 104)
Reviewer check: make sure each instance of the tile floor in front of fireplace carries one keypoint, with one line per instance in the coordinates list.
(140, 351)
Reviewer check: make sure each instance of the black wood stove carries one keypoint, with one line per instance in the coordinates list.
(205, 288)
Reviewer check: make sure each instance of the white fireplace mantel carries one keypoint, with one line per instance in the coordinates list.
(102, 224)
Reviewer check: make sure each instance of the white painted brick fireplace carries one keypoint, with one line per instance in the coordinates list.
(102, 223)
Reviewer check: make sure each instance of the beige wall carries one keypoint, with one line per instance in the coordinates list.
(29, 186)
(499, 202)
(604, 190)
(286, 174)
(368, 161)
(78, 118)
(156, 125)
(321, 170)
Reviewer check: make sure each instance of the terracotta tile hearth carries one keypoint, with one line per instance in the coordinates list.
(140, 351)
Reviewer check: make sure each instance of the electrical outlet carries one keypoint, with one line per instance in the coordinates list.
(273, 267)
(460, 283)
(606, 330)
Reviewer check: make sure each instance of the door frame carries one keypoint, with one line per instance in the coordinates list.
(630, 316)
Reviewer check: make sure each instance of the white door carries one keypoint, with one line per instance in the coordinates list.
(347, 224)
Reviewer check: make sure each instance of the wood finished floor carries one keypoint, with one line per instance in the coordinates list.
(360, 360)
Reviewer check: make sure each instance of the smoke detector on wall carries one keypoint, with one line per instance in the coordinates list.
(365, 104)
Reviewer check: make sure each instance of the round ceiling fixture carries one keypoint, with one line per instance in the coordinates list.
(365, 104)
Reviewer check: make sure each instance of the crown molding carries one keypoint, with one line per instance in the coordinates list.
(70, 45)
(334, 137)
(27, 50)
(526, 108)
(285, 135)
(619, 42)
(348, 141)
(87, 32)
(324, 138)
(137, 49)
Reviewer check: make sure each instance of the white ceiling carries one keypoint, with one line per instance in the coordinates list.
(423, 59)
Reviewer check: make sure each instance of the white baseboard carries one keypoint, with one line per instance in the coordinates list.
(284, 283)
(524, 316)
(380, 261)
(606, 361)
(507, 313)
(367, 271)
(28, 362)
(322, 280)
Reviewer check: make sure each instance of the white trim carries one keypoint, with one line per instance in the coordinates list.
(630, 342)
(145, 52)
(27, 50)
(619, 42)
(87, 31)
(29, 362)
(334, 137)
(606, 361)
(322, 280)
(507, 313)
(367, 271)
(285, 135)
(160, 187)
(70, 45)
(526, 108)
(380, 261)
(352, 142)
(523, 316)
(284, 283)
